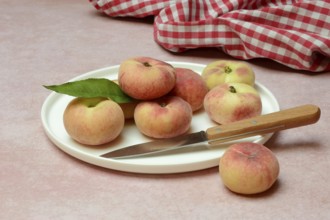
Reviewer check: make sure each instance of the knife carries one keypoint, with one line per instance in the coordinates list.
(263, 124)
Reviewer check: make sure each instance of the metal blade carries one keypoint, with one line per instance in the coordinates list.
(157, 146)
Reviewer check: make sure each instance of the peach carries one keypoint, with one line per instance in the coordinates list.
(167, 117)
(191, 87)
(93, 121)
(145, 78)
(228, 71)
(230, 102)
(128, 109)
(248, 168)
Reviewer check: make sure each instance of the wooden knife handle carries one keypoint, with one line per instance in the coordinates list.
(269, 123)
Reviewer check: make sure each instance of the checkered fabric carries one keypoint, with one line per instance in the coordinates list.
(295, 33)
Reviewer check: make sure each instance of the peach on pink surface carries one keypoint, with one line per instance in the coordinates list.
(166, 117)
(230, 102)
(190, 86)
(93, 121)
(248, 168)
(146, 78)
(228, 71)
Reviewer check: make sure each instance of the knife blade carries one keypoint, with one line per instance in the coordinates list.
(214, 136)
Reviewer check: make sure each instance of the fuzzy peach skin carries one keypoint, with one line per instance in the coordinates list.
(167, 117)
(145, 78)
(228, 71)
(93, 121)
(191, 87)
(248, 168)
(230, 102)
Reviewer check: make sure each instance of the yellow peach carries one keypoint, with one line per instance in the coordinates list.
(248, 168)
(93, 121)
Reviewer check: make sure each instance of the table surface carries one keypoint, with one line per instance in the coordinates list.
(50, 42)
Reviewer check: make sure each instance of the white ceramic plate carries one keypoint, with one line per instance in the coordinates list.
(52, 113)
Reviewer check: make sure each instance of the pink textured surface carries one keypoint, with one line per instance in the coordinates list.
(49, 42)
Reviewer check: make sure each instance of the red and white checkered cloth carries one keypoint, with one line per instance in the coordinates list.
(295, 33)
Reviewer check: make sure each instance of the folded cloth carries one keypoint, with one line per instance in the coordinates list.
(295, 33)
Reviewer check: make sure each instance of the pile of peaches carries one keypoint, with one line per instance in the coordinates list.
(165, 99)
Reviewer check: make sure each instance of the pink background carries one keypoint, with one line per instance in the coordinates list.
(50, 42)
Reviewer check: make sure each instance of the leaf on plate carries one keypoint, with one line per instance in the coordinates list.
(91, 88)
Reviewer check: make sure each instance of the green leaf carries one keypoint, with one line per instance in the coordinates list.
(91, 88)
